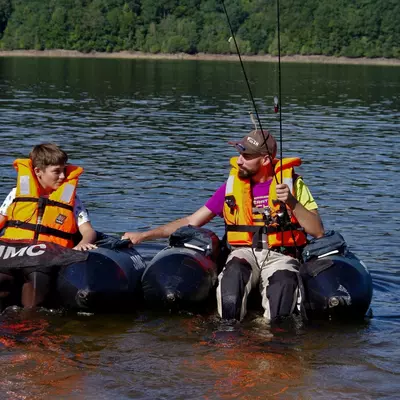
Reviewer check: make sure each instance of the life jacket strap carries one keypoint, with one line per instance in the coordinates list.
(42, 201)
(243, 228)
(263, 229)
(43, 230)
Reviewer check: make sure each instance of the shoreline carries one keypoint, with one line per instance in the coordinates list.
(200, 57)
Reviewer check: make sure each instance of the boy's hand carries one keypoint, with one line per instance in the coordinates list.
(85, 246)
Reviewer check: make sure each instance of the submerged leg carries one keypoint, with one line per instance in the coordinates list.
(6, 285)
(279, 286)
(282, 293)
(35, 289)
(235, 283)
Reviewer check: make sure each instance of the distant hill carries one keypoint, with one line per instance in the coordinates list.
(351, 28)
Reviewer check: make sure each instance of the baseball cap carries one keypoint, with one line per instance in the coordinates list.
(257, 142)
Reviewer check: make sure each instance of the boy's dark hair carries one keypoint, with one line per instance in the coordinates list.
(45, 154)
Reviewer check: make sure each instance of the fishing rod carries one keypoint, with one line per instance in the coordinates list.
(276, 100)
(242, 65)
(277, 106)
(283, 213)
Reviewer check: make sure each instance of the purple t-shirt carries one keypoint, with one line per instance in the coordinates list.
(260, 193)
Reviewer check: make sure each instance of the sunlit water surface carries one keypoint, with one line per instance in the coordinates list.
(152, 137)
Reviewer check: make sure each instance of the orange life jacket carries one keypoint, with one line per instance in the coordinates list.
(242, 222)
(57, 224)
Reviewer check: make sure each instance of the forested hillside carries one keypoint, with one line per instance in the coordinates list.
(353, 28)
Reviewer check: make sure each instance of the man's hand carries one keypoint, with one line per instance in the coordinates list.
(85, 246)
(283, 194)
(134, 237)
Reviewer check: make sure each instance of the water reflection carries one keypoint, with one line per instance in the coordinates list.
(35, 362)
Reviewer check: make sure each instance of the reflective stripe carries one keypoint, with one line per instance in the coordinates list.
(24, 184)
(67, 193)
(229, 184)
(289, 182)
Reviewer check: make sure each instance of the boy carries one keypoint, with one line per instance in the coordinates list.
(44, 207)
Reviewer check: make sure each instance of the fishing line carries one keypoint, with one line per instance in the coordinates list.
(279, 106)
(277, 101)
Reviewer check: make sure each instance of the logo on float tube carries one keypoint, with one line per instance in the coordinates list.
(31, 251)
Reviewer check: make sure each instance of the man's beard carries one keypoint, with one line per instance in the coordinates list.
(246, 174)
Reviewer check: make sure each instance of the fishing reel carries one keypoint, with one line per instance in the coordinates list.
(265, 212)
(282, 216)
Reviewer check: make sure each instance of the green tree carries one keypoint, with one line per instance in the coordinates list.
(5, 12)
(355, 28)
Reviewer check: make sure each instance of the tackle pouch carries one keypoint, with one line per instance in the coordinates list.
(331, 243)
(199, 239)
(111, 242)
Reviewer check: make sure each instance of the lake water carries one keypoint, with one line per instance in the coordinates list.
(152, 137)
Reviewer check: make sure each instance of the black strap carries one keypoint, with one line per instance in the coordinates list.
(43, 201)
(263, 229)
(286, 228)
(243, 228)
(44, 230)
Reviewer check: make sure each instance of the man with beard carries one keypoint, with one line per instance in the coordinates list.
(267, 223)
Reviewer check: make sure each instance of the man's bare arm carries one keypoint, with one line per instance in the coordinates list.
(198, 218)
